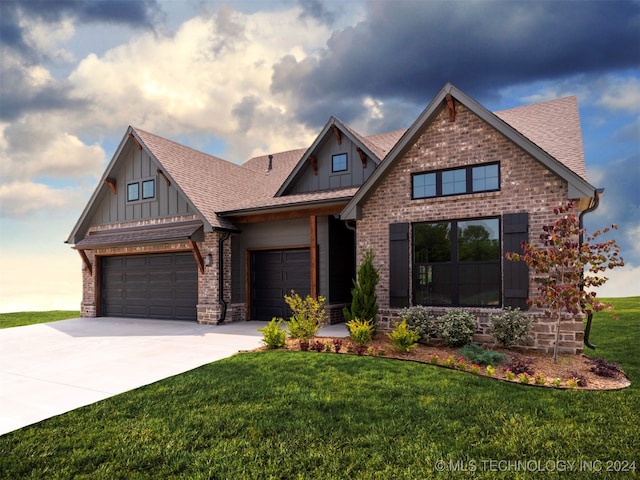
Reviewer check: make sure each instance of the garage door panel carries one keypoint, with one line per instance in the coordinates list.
(274, 274)
(163, 286)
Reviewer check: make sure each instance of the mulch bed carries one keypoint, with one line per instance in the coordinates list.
(569, 369)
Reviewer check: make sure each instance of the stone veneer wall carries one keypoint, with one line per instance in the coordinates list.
(526, 186)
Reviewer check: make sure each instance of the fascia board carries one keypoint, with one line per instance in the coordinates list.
(91, 204)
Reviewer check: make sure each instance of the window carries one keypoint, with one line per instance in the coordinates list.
(457, 263)
(457, 181)
(148, 189)
(339, 162)
(133, 192)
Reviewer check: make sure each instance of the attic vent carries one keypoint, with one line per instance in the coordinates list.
(270, 167)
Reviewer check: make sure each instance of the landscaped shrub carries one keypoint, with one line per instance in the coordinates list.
(421, 321)
(457, 327)
(308, 315)
(360, 331)
(364, 301)
(476, 354)
(273, 335)
(603, 369)
(511, 327)
(520, 365)
(402, 338)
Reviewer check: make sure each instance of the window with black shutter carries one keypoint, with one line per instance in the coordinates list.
(515, 228)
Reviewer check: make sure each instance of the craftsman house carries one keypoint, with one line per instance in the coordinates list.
(173, 233)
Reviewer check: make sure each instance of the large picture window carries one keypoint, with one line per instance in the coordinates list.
(456, 181)
(457, 263)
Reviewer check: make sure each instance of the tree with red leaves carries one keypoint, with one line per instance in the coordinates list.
(567, 264)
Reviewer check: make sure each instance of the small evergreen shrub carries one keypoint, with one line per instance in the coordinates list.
(364, 301)
(511, 327)
(360, 331)
(421, 321)
(273, 336)
(476, 354)
(308, 315)
(402, 338)
(457, 327)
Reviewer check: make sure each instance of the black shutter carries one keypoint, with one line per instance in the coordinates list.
(515, 228)
(398, 265)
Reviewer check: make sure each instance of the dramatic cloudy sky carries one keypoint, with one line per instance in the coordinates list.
(245, 77)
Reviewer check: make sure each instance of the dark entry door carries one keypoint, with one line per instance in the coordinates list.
(162, 286)
(274, 273)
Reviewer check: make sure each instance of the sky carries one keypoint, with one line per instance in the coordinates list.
(241, 78)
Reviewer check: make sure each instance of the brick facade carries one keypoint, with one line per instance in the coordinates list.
(209, 309)
(526, 186)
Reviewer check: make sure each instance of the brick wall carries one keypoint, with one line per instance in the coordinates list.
(526, 186)
(208, 309)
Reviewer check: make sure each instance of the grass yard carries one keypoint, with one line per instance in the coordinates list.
(21, 319)
(287, 415)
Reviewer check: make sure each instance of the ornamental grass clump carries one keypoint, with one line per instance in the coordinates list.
(402, 338)
(457, 327)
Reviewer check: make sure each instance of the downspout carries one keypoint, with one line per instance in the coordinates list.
(596, 202)
(221, 300)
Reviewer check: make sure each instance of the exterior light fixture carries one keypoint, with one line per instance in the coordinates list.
(208, 260)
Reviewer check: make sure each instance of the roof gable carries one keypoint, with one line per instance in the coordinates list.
(360, 150)
(578, 186)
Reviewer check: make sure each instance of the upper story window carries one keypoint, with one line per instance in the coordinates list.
(339, 162)
(135, 193)
(456, 181)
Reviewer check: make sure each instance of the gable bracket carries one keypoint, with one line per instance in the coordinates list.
(112, 184)
(86, 262)
(363, 157)
(197, 256)
(136, 141)
(167, 181)
(337, 133)
(314, 164)
(452, 107)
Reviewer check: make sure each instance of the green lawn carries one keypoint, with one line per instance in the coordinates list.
(21, 319)
(290, 415)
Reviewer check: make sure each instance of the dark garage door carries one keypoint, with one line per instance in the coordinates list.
(162, 286)
(274, 273)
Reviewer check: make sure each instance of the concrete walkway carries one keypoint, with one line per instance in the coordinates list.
(52, 368)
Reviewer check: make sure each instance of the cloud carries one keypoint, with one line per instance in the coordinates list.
(622, 94)
(212, 77)
(317, 10)
(19, 199)
(410, 49)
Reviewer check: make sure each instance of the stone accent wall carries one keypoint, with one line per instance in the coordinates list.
(526, 186)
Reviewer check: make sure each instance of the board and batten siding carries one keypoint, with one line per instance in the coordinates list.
(354, 176)
(138, 166)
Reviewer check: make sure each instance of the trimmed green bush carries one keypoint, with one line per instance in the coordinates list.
(511, 327)
(360, 331)
(457, 327)
(402, 338)
(421, 321)
(273, 335)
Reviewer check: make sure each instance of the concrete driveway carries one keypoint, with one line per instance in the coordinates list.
(52, 368)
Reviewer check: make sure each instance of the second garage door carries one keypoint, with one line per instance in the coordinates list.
(274, 273)
(162, 286)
